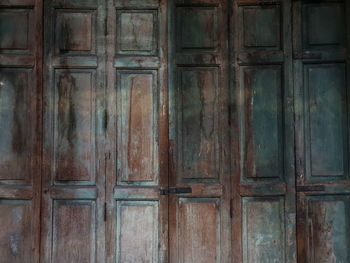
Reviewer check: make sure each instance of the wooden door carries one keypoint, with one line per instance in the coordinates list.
(262, 132)
(199, 218)
(137, 135)
(20, 130)
(182, 131)
(321, 79)
(74, 128)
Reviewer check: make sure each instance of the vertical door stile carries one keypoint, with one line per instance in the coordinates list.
(137, 133)
(262, 132)
(74, 174)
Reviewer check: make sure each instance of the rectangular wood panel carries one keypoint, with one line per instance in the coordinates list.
(199, 230)
(16, 233)
(197, 116)
(325, 228)
(326, 121)
(17, 140)
(17, 30)
(137, 231)
(198, 28)
(323, 25)
(74, 123)
(262, 93)
(261, 27)
(138, 126)
(74, 229)
(263, 230)
(137, 31)
(75, 32)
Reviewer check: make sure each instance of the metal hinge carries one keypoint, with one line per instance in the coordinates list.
(176, 190)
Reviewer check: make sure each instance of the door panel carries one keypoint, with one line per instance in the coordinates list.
(137, 219)
(20, 131)
(197, 129)
(74, 123)
(74, 182)
(325, 220)
(262, 133)
(199, 220)
(74, 221)
(137, 132)
(138, 126)
(17, 140)
(325, 122)
(263, 229)
(322, 129)
(16, 235)
(263, 144)
(199, 229)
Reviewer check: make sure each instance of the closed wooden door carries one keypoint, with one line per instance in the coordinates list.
(262, 132)
(20, 130)
(73, 189)
(190, 131)
(199, 221)
(137, 133)
(321, 81)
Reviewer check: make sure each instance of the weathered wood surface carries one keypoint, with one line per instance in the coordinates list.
(245, 102)
(73, 153)
(321, 81)
(262, 132)
(199, 223)
(137, 131)
(20, 129)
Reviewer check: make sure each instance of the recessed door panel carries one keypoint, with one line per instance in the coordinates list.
(263, 229)
(199, 230)
(138, 126)
(138, 219)
(17, 106)
(16, 230)
(74, 231)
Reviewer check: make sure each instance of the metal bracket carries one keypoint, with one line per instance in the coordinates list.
(176, 190)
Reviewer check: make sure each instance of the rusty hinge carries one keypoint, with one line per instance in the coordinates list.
(311, 188)
(176, 190)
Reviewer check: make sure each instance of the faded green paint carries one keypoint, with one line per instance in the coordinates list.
(263, 224)
(263, 113)
(325, 105)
